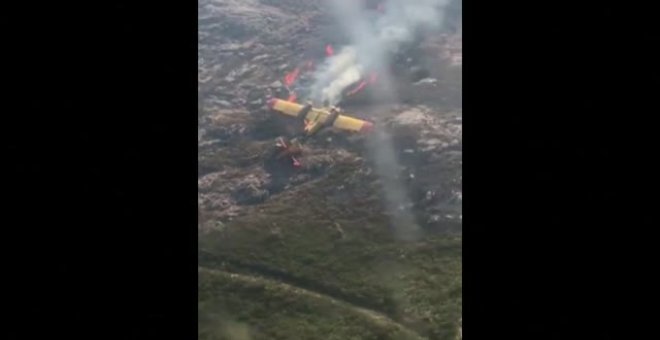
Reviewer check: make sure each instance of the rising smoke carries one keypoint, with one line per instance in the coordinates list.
(373, 40)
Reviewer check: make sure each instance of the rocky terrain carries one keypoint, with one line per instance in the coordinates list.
(312, 252)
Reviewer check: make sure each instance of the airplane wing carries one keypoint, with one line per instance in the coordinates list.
(352, 124)
(342, 122)
(286, 107)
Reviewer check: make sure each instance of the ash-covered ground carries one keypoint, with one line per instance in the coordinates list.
(316, 252)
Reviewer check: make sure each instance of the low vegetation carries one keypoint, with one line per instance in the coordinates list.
(333, 242)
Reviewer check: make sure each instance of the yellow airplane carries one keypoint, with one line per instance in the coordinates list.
(315, 119)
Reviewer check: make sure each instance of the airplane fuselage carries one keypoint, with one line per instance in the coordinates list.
(317, 118)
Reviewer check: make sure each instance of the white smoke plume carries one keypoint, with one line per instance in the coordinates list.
(373, 40)
(340, 72)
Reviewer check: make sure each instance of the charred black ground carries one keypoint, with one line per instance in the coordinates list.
(311, 253)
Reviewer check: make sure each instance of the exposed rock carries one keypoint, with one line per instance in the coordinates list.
(234, 180)
(300, 178)
(256, 103)
(248, 193)
(209, 143)
(224, 103)
(217, 207)
(222, 193)
(245, 49)
(260, 58)
(430, 81)
(227, 132)
(425, 137)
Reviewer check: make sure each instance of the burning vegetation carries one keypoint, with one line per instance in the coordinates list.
(324, 235)
(293, 87)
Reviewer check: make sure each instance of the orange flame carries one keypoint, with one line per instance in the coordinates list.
(291, 77)
(329, 51)
(372, 78)
(357, 88)
(292, 97)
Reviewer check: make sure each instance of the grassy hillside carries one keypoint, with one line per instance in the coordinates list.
(337, 244)
(243, 307)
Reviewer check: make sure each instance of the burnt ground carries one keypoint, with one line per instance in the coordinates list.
(324, 229)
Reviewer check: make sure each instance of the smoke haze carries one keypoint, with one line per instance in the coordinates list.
(373, 40)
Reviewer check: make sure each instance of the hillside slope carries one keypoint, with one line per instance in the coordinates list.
(317, 252)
